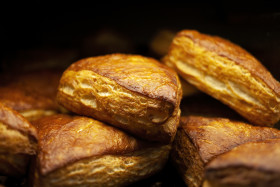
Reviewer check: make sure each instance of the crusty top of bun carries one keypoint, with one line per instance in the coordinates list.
(136, 73)
(262, 156)
(64, 139)
(214, 136)
(227, 49)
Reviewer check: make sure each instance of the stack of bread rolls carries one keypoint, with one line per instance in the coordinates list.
(125, 116)
(115, 119)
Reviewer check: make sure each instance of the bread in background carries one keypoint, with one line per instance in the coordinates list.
(160, 42)
(106, 41)
(228, 73)
(32, 94)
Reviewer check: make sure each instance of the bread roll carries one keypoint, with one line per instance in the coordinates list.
(32, 94)
(132, 92)
(251, 164)
(200, 139)
(18, 141)
(228, 73)
(80, 151)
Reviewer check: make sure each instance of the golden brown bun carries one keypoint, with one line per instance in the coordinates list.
(77, 151)
(132, 92)
(17, 142)
(17, 135)
(200, 139)
(228, 73)
(32, 94)
(251, 164)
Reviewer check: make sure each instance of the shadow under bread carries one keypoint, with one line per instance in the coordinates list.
(204, 105)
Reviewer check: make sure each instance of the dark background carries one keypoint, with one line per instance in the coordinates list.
(30, 25)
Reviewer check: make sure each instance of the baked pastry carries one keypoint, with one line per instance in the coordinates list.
(32, 94)
(228, 73)
(251, 164)
(80, 151)
(200, 139)
(18, 141)
(132, 92)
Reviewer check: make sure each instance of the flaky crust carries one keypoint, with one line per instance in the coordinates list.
(134, 72)
(21, 101)
(108, 170)
(132, 92)
(64, 139)
(214, 136)
(206, 138)
(17, 135)
(227, 72)
(249, 164)
(71, 147)
(18, 141)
